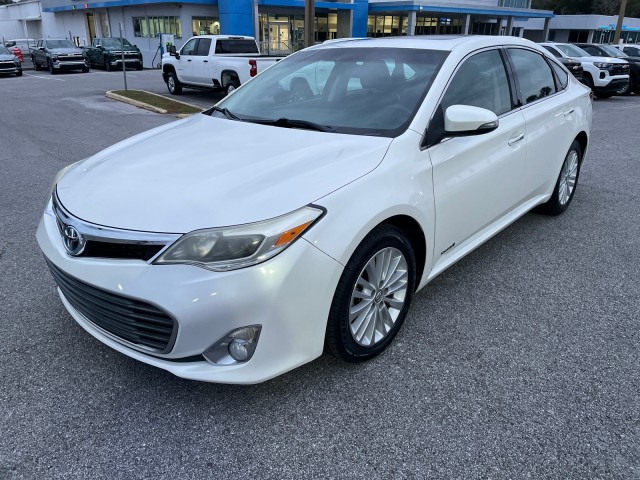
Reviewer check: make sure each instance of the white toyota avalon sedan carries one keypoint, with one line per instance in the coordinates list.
(305, 210)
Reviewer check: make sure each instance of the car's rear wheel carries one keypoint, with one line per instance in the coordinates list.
(566, 184)
(173, 84)
(231, 86)
(373, 296)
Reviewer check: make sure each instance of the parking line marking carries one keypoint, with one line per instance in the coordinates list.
(44, 78)
(114, 73)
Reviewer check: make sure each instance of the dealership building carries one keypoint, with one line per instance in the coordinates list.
(279, 24)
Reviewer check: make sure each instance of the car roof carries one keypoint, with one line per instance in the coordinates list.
(429, 42)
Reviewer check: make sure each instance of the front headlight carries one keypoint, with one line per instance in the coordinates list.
(16, 60)
(54, 56)
(230, 248)
(602, 64)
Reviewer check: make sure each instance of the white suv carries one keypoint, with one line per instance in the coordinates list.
(604, 75)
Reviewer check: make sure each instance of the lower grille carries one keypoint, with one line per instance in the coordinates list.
(136, 322)
(127, 251)
(7, 65)
(620, 70)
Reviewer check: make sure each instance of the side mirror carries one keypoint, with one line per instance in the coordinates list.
(465, 120)
(172, 50)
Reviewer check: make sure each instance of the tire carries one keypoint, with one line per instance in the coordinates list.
(107, 65)
(85, 69)
(19, 73)
(139, 66)
(356, 339)
(604, 95)
(52, 70)
(623, 92)
(173, 84)
(587, 81)
(36, 65)
(569, 173)
(231, 86)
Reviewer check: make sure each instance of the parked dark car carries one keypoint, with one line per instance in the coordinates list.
(610, 51)
(58, 55)
(9, 63)
(107, 53)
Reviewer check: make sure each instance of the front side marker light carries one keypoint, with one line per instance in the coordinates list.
(237, 346)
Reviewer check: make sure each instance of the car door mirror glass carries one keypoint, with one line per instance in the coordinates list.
(463, 120)
(171, 49)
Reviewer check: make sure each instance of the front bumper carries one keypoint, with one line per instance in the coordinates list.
(289, 296)
(71, 65)
(614, 85)
(14, 69)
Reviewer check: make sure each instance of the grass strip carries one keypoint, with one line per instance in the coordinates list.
(158, 101)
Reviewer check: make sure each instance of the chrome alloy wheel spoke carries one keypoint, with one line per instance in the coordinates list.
(568, 177)
(378, 296)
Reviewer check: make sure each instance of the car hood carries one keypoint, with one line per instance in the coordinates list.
(65, 50)
(209, 172)
(4, 58)
(602, 59)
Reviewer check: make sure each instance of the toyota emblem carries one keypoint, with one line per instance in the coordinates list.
(73, 241)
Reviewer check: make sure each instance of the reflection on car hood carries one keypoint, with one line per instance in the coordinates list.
(4, 58)
(207, 172)
(65, 50)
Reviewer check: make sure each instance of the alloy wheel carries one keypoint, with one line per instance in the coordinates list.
(568, 177)
(378, 296)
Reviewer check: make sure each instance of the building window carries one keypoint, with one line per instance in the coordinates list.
(205, 26)
(438, 25)
(152, 26)
(386, 26)
(515, 3)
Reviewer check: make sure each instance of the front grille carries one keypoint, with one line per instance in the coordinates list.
(127, 251)
(7, 65)
(70, 58)
(620, 70)
(134, 321)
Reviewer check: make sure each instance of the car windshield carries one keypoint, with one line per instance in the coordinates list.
(613, 51)
(572, 50)
(4, 50)
(114, 42)
(60, 44)
(365, 91)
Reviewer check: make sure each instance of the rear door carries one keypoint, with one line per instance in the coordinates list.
(477, 179)
(549, 115)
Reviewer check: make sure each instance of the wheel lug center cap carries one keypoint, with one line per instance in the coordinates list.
(378, 297)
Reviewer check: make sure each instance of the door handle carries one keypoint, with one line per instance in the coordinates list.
(189, 60)
(205, 61)
(568, 112)
(515, 140)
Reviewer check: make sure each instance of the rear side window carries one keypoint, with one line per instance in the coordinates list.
(236, 46)
(203, 47)
(481, 81)
(632, 51)
(561, 75)
(534, 76)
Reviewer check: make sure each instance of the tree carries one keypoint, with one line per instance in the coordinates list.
(605, 7)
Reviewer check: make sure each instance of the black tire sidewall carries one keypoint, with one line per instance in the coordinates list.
(177, 88)
(339, 338)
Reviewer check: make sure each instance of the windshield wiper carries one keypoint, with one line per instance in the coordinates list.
(226, 113)
(293, 123)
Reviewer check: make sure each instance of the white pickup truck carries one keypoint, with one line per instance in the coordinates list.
(217, 62)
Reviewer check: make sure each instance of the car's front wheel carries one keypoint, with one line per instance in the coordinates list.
(173, 84)
(373, 296)
(52, 70)
(566, 184)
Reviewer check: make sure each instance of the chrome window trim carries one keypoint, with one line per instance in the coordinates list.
(101, 233)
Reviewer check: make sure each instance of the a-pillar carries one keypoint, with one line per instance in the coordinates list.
(411, 23)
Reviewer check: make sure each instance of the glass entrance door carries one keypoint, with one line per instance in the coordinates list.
(279, 38)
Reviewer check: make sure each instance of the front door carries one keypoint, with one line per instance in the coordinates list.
(477, 179)
(279, 38)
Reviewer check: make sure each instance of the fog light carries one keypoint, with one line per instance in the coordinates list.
(237, 346)
(238, 350)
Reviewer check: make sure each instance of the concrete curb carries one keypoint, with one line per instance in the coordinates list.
(135, 103)
(139, 104)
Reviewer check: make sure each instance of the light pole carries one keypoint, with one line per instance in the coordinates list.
(309, 23)
(623, 7)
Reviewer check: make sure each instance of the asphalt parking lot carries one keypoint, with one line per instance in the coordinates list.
(521, 361)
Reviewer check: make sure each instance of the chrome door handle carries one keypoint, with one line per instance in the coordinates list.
(568, 112)
(515, 140)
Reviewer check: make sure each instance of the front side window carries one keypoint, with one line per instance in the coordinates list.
(481, 81)
(366, 91)
(189, 48)
(535, 79)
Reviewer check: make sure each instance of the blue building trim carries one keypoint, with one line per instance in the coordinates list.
(236, 17)
(120, 3)
(503, 12)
